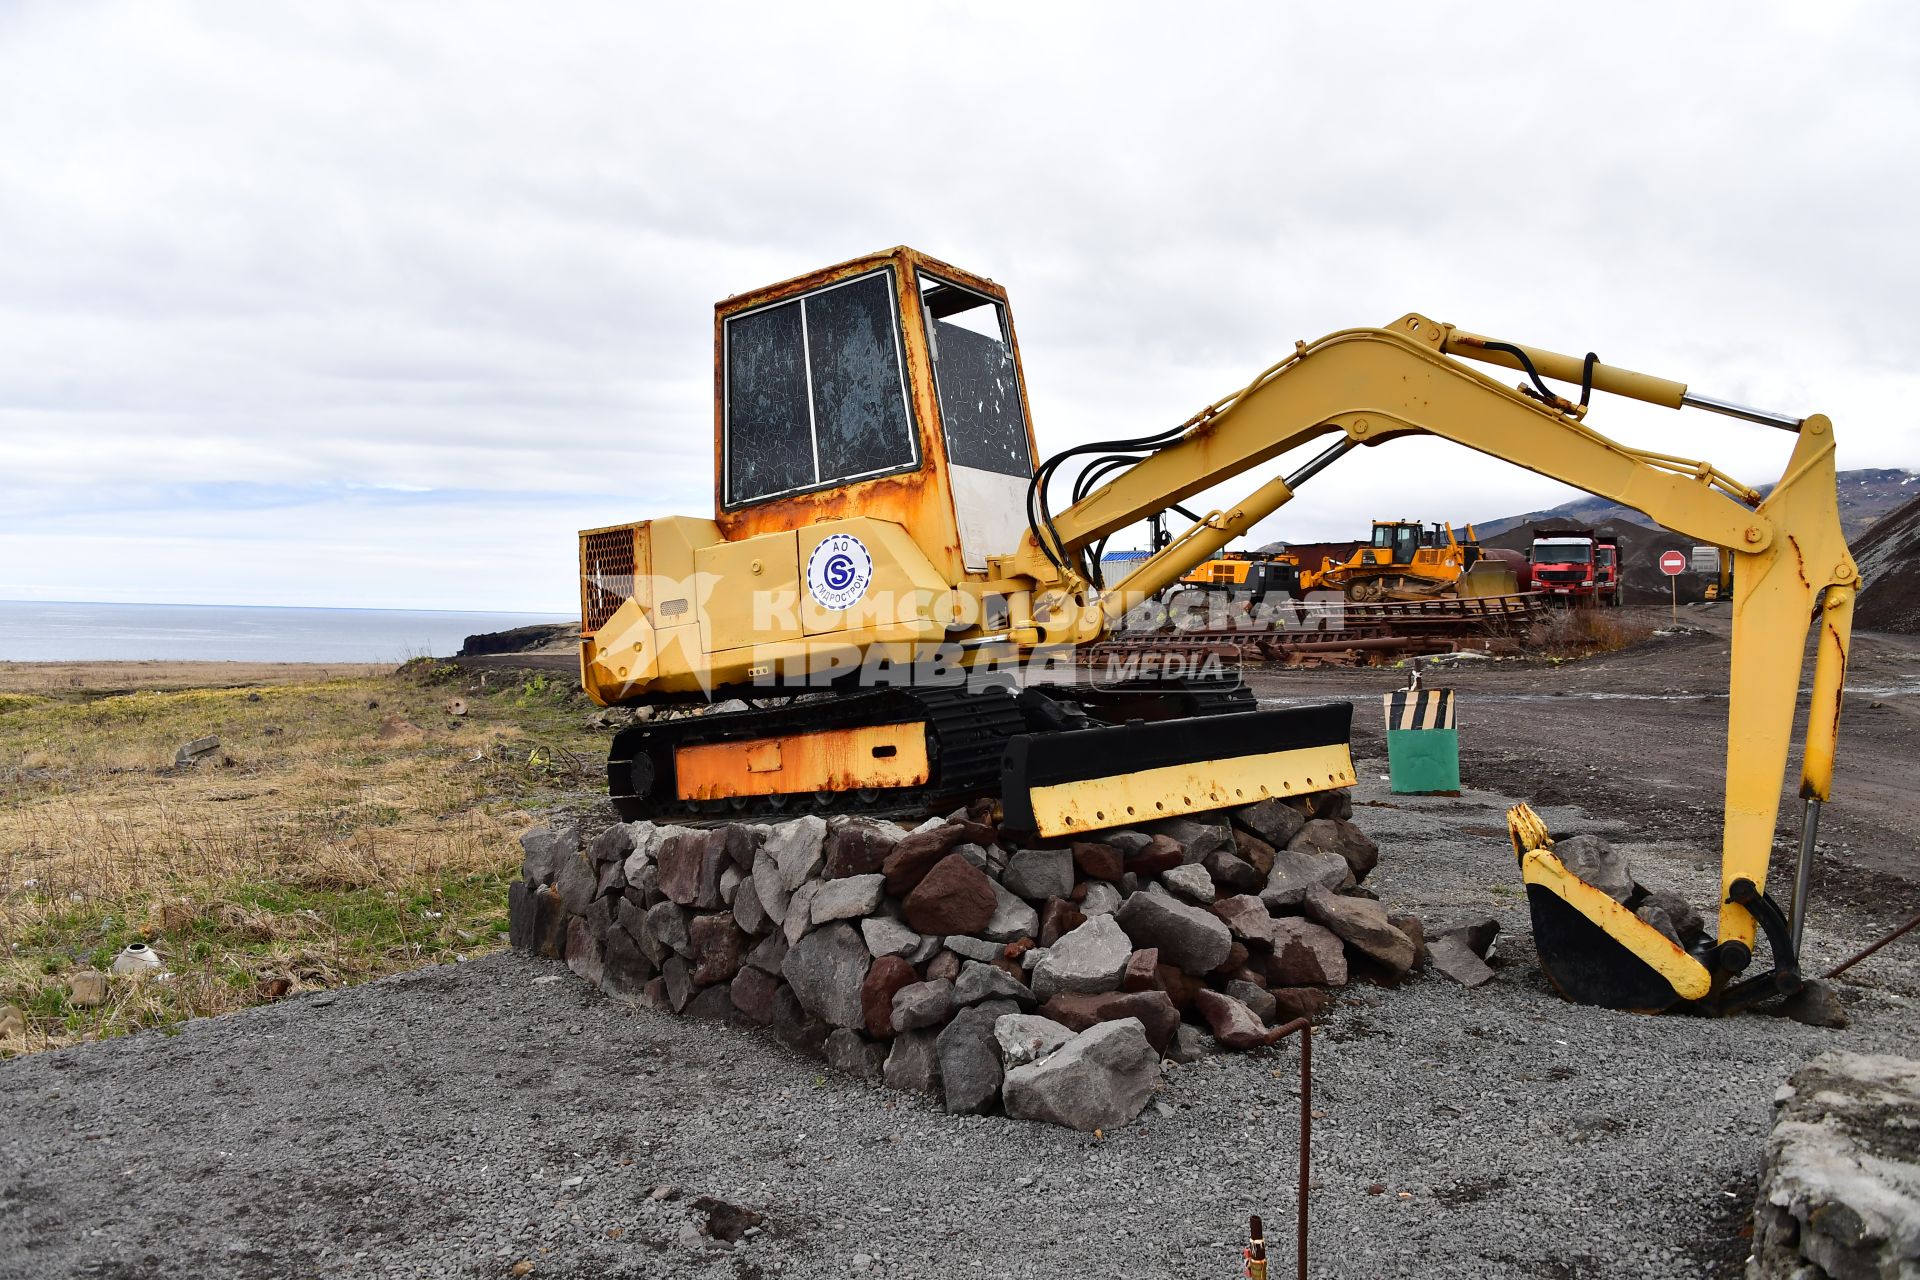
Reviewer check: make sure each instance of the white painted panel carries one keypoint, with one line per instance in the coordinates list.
(992, 511)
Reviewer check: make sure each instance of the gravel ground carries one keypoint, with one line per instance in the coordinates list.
(459, 1120)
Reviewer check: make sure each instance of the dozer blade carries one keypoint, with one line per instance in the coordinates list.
(1071, 781)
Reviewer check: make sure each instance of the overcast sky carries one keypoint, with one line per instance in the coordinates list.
(376, 305)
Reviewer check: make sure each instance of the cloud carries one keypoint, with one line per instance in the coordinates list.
(266, 262)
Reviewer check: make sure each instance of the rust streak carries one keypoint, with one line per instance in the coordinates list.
(1799, 562)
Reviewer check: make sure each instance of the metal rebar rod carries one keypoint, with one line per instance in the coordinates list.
(1305, 1027)
(1845, 965)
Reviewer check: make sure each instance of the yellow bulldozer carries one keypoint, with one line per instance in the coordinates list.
(881, 612)
(1409, 561)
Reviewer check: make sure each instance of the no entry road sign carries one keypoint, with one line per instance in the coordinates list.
(1673, 563)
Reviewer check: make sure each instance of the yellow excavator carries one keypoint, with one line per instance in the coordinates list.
(884, 610)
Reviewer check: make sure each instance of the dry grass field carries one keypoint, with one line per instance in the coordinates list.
(350, 825)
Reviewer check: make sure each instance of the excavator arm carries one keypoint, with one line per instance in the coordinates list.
(1371, 386)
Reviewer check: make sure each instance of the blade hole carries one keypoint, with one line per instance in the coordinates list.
(885, 753)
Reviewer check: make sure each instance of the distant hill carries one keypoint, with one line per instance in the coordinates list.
(1865, 496)
(1889, 559)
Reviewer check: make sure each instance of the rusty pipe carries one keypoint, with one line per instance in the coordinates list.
(1845, 965)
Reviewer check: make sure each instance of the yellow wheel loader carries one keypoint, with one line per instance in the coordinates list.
(884, 611)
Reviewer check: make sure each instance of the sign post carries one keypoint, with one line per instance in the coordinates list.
(1673, 564)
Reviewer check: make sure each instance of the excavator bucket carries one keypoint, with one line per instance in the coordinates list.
(1596, 951)
(1065, 782)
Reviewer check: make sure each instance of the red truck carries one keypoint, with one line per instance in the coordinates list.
(1576, 564)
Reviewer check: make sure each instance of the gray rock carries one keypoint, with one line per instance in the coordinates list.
(770, 953)
(800, 911)
(797, 849)
(970, 1070)
(922, 1004)
(1295, 874)
(1028, 1037)
(1232, 873)
(1362, 925)
(847, 898)
(1012, 918)
(730, 879)
(1816, 1004)
(1098, 1080)
(1197, 836)
(1188, 937)
(924, 950)
(1337, 835)
(1030, 958)
(643, 885)
(1091, 958)
(679, 979)
(1685, 920)
(979, 982)
(577, 880)
(1478, 934)
(914, 1062)
(1598, 863)
(1654, 918)
(851, 1053)
(976, 855)
(1190, 1044)
(544, 847)
(747, 911)
(794, 1027)
(1039, 874)
(1451, 954)
(1840, 1185)
(1102, 899)
(769, 888)
(1274, 821)
(1191, 882)
(194, 752)
(825, 969)
(664, 931)
(974, 948)
(886, 936)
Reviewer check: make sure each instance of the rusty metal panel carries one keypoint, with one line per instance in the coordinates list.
(888, 755)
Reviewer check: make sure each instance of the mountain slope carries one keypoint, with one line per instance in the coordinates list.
(1889, 560)
(1866, 495)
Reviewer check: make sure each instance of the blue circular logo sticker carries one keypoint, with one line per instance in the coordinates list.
(839, 571)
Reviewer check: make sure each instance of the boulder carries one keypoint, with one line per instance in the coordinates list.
(848, 898)
(1098, 1080)
(1142, 971)
(1233, 874)
(1197, 836)
(980, 982)
(1233, 1024)
(800, 911)
(691, 863)
(1012, 918)
(1653, 917)
(1452, 955)
(944, 967)
(1190, 1044)
(1247, 919)
(678, 976)
(741, 844)
(1598, 863)
(1180, 986)
(1191, 882)
(1039, 874)
(1256, 998)
(917, 853)
(1273, 821)
(886, 936)
(747, 911)
(520, 915)
(664, 931)
(576, 880)
(770, 888)
(1299, 1002)
(1338, 836)
(826, 969)
(796, 1028)
(850, 1053)
(797, 850)
(857, 846)
(885, 978)
(1100, 899)
(1815, 1004)
(913, 1063)
(627, 970)
(919, 1005)
(1057, 919)
(951, 897)
(549, 931)
(1686, 921)
(753, 992)
(1027, 1037)
(1097, 861)
(1295, 874)
(1416, 931)
(976, 948)
(1305, 954)
(770, 953)
(1154, 1010)
(1478, 934)
(970, 1070)
(1840, 1184)
(1186, 936)
(712, 1004)
(544, 847)
(1091, 958)
(716, 948)
(1255, 852)
(1362, 925)
(1160, 853)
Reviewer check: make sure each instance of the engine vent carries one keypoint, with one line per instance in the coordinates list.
(606, 575)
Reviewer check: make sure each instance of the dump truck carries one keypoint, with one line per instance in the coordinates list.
(1562, 562)
(882, 610)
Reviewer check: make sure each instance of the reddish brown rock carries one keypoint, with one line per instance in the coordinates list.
(1095, 861)
(690, 864)
(1162, 853)
(1236, 959)
(1079, 893)
(1180, 987)
(954, 896)
(909, 861)
(1255, 851)
(1142, 971)
(1416, 934)
(858, 846)
(1077, 1011)
(1299, 1002)
(740, 842)
(887, 976)
(716, 947)
(1306, 955)
(1337, 835)
(1247, 919)
(1057, 918)
(753, 991)
(1232, 1023)
(946, 965)
(1017, 948)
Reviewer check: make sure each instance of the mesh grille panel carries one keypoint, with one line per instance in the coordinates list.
(606, 566)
